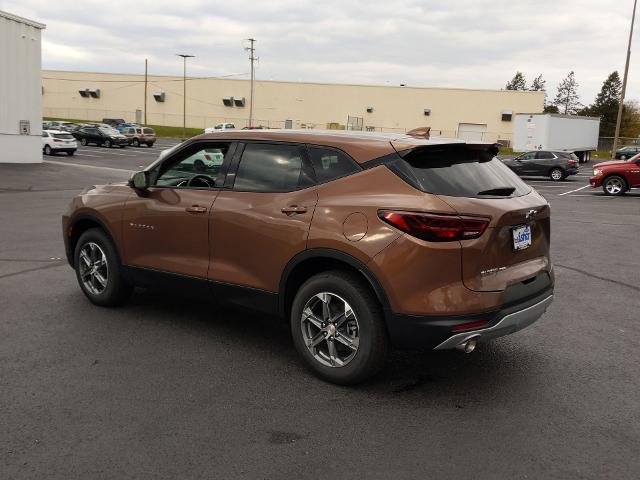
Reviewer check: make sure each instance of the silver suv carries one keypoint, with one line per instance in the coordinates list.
(140, 135)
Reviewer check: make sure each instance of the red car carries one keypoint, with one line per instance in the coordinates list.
(618, 176)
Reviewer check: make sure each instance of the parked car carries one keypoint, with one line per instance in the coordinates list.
(101, 136)
(140, 135)
(114, 122)
(556, 165)
(123, 126)
(60, 126)
(57, 141)
(627, 152)
(359, 241)
(617, 177)
(221, 127)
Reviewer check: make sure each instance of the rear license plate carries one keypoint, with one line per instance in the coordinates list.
(521, 237)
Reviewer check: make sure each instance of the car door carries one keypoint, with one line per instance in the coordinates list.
(634, 172)
(166, 227)
(543, 163)
(520, 164)
(262, 218)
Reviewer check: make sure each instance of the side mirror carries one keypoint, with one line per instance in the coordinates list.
(139, 180)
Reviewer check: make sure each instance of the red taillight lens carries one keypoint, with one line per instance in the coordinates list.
(572, 162)
(469, 326)
(436, 227)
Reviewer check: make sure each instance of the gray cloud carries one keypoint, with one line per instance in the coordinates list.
(463, 43)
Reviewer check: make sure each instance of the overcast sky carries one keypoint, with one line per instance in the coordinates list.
(454, 43)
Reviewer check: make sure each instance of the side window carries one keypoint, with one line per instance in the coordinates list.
(330, 164)
(45, 134)
(197, 167)
(545, 155)
(269, 168)
(528, 156)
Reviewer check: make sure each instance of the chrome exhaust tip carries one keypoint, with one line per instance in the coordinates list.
(468, 346)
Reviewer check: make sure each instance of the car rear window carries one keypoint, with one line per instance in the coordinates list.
(148, 131)
(458, 172)
(63, 136)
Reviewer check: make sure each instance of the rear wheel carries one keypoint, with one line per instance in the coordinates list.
(71, 152)
(338, 328)
(614, 185)
(48, 150)
(83, 142)
(556, 174)
(136, 142)
(108, 143)
(623, 157)
(98, 270)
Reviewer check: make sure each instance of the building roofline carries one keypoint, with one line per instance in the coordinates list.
(26, 21)
(213, 77)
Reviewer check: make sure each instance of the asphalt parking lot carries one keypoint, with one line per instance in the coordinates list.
(173, 388)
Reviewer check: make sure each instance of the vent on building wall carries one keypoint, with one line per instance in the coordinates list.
(507, 115)
(228, 101)
(84, 93)
(238, 101)
(427, 112)
(95, 93)
(158, 96)
(369, 109)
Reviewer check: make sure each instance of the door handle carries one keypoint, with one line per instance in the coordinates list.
(196, 209)
(292, 209)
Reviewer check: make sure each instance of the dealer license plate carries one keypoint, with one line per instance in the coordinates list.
(521, 237)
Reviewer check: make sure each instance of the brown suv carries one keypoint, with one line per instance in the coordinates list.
(360, 241)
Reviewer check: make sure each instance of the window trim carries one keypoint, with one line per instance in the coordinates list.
(305, 165)
(308, 147)
(155, 168)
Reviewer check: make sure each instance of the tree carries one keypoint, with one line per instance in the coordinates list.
(630, 127)
(538, 84)
(517, 82)
(606, 105)
(567, 99)
(551, 109)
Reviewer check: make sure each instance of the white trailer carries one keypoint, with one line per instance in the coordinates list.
(550, 131)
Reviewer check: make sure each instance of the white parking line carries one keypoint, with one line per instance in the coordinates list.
(87, 155)
(576, 190)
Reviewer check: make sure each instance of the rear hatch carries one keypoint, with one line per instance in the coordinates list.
(515, 245)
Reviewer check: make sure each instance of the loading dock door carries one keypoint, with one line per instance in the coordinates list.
(472, 131)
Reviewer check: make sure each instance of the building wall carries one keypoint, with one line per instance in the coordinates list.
(20, 89)
(308, 105)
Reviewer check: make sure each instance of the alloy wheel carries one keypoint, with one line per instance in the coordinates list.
(93, 268)
(614, 186)
(330, 329)
(556, 174)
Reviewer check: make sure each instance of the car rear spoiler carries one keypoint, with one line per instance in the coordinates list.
(404, 148)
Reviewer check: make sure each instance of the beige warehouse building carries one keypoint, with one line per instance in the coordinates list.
(454, 112)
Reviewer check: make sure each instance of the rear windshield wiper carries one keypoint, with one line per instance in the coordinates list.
(499, 191)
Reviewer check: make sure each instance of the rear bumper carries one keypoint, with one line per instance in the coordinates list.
(572, 170)
(510, 323)
(522, 305)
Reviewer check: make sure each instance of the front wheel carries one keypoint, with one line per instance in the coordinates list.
(98, 270)
(71, 152)
(48, 150)
(135, 142)
(83, 142)
(614, 185)
(108, 143)
(556, 174)
(338, 328)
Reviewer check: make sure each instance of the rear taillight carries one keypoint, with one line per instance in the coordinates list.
(436, 227)
(572, 162)
(469, 326)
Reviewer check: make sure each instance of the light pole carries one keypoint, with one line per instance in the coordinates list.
(184, 93)
(624, 85)
(252, 51)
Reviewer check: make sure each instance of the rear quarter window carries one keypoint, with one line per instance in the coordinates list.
(457, 172)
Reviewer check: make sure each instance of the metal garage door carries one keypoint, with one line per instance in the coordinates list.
(472, 131)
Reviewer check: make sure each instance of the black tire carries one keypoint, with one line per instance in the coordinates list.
(623, 157)
(609, 182)
(71, 152)
(150, 144)
(108, 143)
(373, 342)
(117, 290)
(135, 142)
(48, 150)
(83, 142)
(557, 174)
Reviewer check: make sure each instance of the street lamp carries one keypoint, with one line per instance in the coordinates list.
(184, 93)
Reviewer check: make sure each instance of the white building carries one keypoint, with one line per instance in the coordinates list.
(20, 89)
